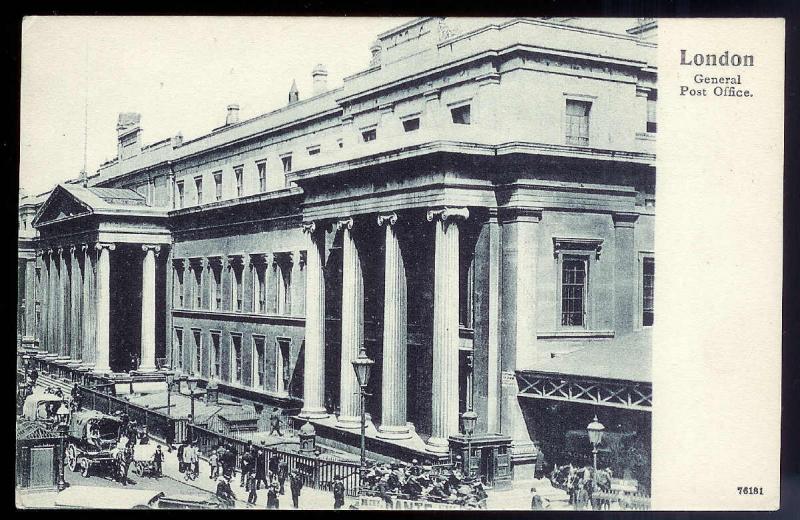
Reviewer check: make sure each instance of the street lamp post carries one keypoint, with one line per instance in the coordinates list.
(62, 416)
(363, 366)
(191, 384)
(469, 418)
(170, 378)
(595, 429)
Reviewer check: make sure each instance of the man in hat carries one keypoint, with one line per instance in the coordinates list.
(295, 485)
(261, 466)
(252, 487)
(224, 490)
(247, 466)
(283, 472)
(158, 460)
(338, 492)
(272, 497)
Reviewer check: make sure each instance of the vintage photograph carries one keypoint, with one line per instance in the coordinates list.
(362, 263)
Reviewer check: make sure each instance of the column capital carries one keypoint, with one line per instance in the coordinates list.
(151, 247)
(624, 219)
(448, 213)
(72, 249)
(60, 251)
(105, 245)
(309, 227)
(341, 224)
(388, 218)
(85, 248)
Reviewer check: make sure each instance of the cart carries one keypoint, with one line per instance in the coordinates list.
(84, 455)
(143, 460)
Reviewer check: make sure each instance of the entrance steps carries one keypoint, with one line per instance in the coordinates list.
(46, 380)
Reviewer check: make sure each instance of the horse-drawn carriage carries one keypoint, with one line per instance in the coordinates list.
(92, 441)
(42, 407)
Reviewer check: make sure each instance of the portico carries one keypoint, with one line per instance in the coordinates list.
(100, 256)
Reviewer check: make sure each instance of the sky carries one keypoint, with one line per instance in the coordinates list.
(179, 73)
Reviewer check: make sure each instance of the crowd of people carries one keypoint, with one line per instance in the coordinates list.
(423, 482)
(581, 484)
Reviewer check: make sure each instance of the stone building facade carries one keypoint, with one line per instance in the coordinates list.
(475, 208)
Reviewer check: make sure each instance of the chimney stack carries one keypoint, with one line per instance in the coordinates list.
(233, 115)
(294, 94)
(129, 138)
(320, 79)
(375, 49)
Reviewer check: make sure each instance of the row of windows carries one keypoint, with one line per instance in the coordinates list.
(213, 368)
(577, 119)
(268, 285)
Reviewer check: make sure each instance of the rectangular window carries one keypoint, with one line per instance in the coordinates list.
(179, 285)
(577, 131)
(287, 163)
(198, 352)
(283, 289)
(237, 276)
(461, 115)
(282, 371)
(262, 176)
(652, 97)
(313, 150)
(217, 353)
(178, 352)
(198, 287)
(179, 187)
(648, 281)
(239, 173)
(410, 125)
(262, 291)
(258, 361)
(369, 135)
(236, 340)
(218, 186)
(198, 184)
(573, 291)
(216, 289)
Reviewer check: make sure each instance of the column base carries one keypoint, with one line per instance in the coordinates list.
(151, 368)
(348, 421)
(437, 445)
(313, 413)
(394, 432)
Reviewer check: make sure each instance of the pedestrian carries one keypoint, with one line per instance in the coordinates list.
(536, 500)
(295, 485)
(34, 376)
(582, 498)
(338, 492)
(224, 490)
(158, 460)
(181, 465)
(272, 497)
(252, 487)
(275, 422)
(261, 468)
(283, 470)
(212, 463)
(274, 461)
(247, 463)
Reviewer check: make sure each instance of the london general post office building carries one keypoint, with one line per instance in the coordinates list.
(475, 209)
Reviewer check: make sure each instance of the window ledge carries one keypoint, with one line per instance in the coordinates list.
(576, 334)
(244, 316)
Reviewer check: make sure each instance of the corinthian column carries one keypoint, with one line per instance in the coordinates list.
(394, 423)
(103, 307)
(314, 376)
(148, 363)
(352, 326)
(444, 394)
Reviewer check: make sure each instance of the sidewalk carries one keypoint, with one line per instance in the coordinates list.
(309, 498)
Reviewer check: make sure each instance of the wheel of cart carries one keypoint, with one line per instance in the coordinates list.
(85, 464)
(72, 457)
(143, 456)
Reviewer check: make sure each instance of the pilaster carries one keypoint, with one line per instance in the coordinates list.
(625, 276)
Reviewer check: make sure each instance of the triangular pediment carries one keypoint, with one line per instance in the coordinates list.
(60, 205)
